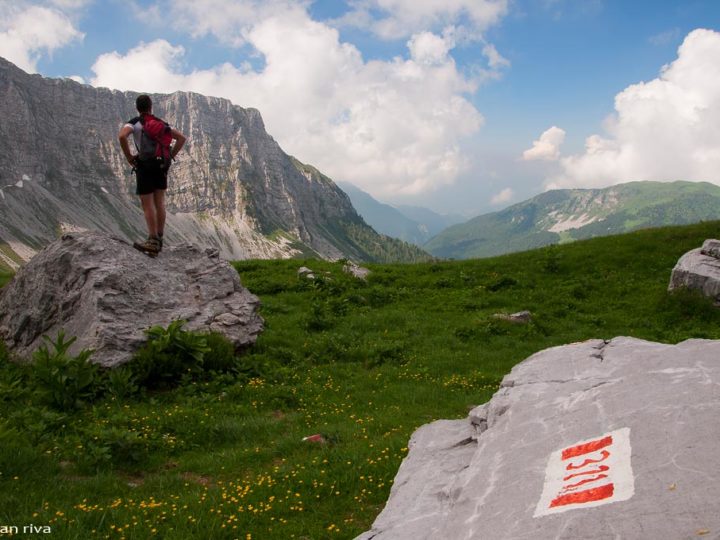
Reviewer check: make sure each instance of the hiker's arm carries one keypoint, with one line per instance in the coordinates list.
(125, 132)
(179, 142)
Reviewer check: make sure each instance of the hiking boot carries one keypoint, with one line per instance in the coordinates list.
(150, 247)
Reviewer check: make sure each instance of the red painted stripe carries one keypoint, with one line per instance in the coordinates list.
(605, 454)
(600, 469)
(586, 448)
(573, 487)
(586, 496)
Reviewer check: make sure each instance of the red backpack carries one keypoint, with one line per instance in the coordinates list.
(155, 140)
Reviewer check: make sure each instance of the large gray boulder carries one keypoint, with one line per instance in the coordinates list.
(595, 440)
(699, 269)
(100, 289)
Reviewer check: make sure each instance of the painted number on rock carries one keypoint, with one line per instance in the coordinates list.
(588, 473)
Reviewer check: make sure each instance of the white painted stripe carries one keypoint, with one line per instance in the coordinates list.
(586, 479)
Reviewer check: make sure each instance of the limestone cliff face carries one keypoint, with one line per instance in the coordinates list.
(232, 187)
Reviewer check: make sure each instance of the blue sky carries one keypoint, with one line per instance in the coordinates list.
(458, 105)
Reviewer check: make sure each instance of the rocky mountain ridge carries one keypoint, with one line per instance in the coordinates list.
(232, 187)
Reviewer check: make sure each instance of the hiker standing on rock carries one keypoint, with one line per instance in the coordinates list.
(153, 138)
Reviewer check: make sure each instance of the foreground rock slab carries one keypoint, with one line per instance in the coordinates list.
(699, 269)
(595, 440)
(100, 289)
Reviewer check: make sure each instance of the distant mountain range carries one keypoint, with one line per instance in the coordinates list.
(566, 215)
(412, 224)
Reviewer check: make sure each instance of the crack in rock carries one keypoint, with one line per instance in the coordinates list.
(464, 442)
(601, 350)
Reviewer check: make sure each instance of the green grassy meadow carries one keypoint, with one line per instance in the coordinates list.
(361, 363)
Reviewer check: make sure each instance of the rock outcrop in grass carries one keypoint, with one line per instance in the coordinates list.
(699, 269)
(101, 290)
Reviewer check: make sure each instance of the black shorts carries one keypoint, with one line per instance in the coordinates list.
(151, 176)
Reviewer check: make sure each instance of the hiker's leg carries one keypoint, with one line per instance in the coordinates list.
(159, 199)
(145, 180)
(148, 206)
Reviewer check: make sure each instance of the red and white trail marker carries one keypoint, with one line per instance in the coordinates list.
(587, 474)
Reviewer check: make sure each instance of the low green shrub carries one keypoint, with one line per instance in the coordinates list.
(386, 352)
(174, 356)
(102, 448)
(13, 384)
(501, 283)
(38, 423)
(62, 381)
(552, 262)
(169, 355)
(685, 304)
(220, 356)
(121, 382)
(318, 318)
(4, 354)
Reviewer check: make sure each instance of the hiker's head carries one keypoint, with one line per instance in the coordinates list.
(143, 104)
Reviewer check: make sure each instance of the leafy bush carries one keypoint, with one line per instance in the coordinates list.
(170, 354)
(318, 318)
(386, 352)
(552, 262)
(126, 447)
(4, 354)
(379, 297)
(501, 283)
(103, 448)
(685, 304)
(13, 386)
(220, 355)
(8, 433)
(331, 286)
(121, 383)
(92, 457)
(65, 382)
(466, 333)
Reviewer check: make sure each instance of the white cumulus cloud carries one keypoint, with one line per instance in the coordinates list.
(495, 59)
(665, 129)
(429, 48)
(547, 147)
(390, 127)
(28, 30)
(146, 68)
(69, 5)
(505, 196)
(227, 20)
(396, 19)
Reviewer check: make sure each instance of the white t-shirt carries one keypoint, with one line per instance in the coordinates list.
(136, 126)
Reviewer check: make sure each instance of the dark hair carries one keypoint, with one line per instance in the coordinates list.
(143, 103)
